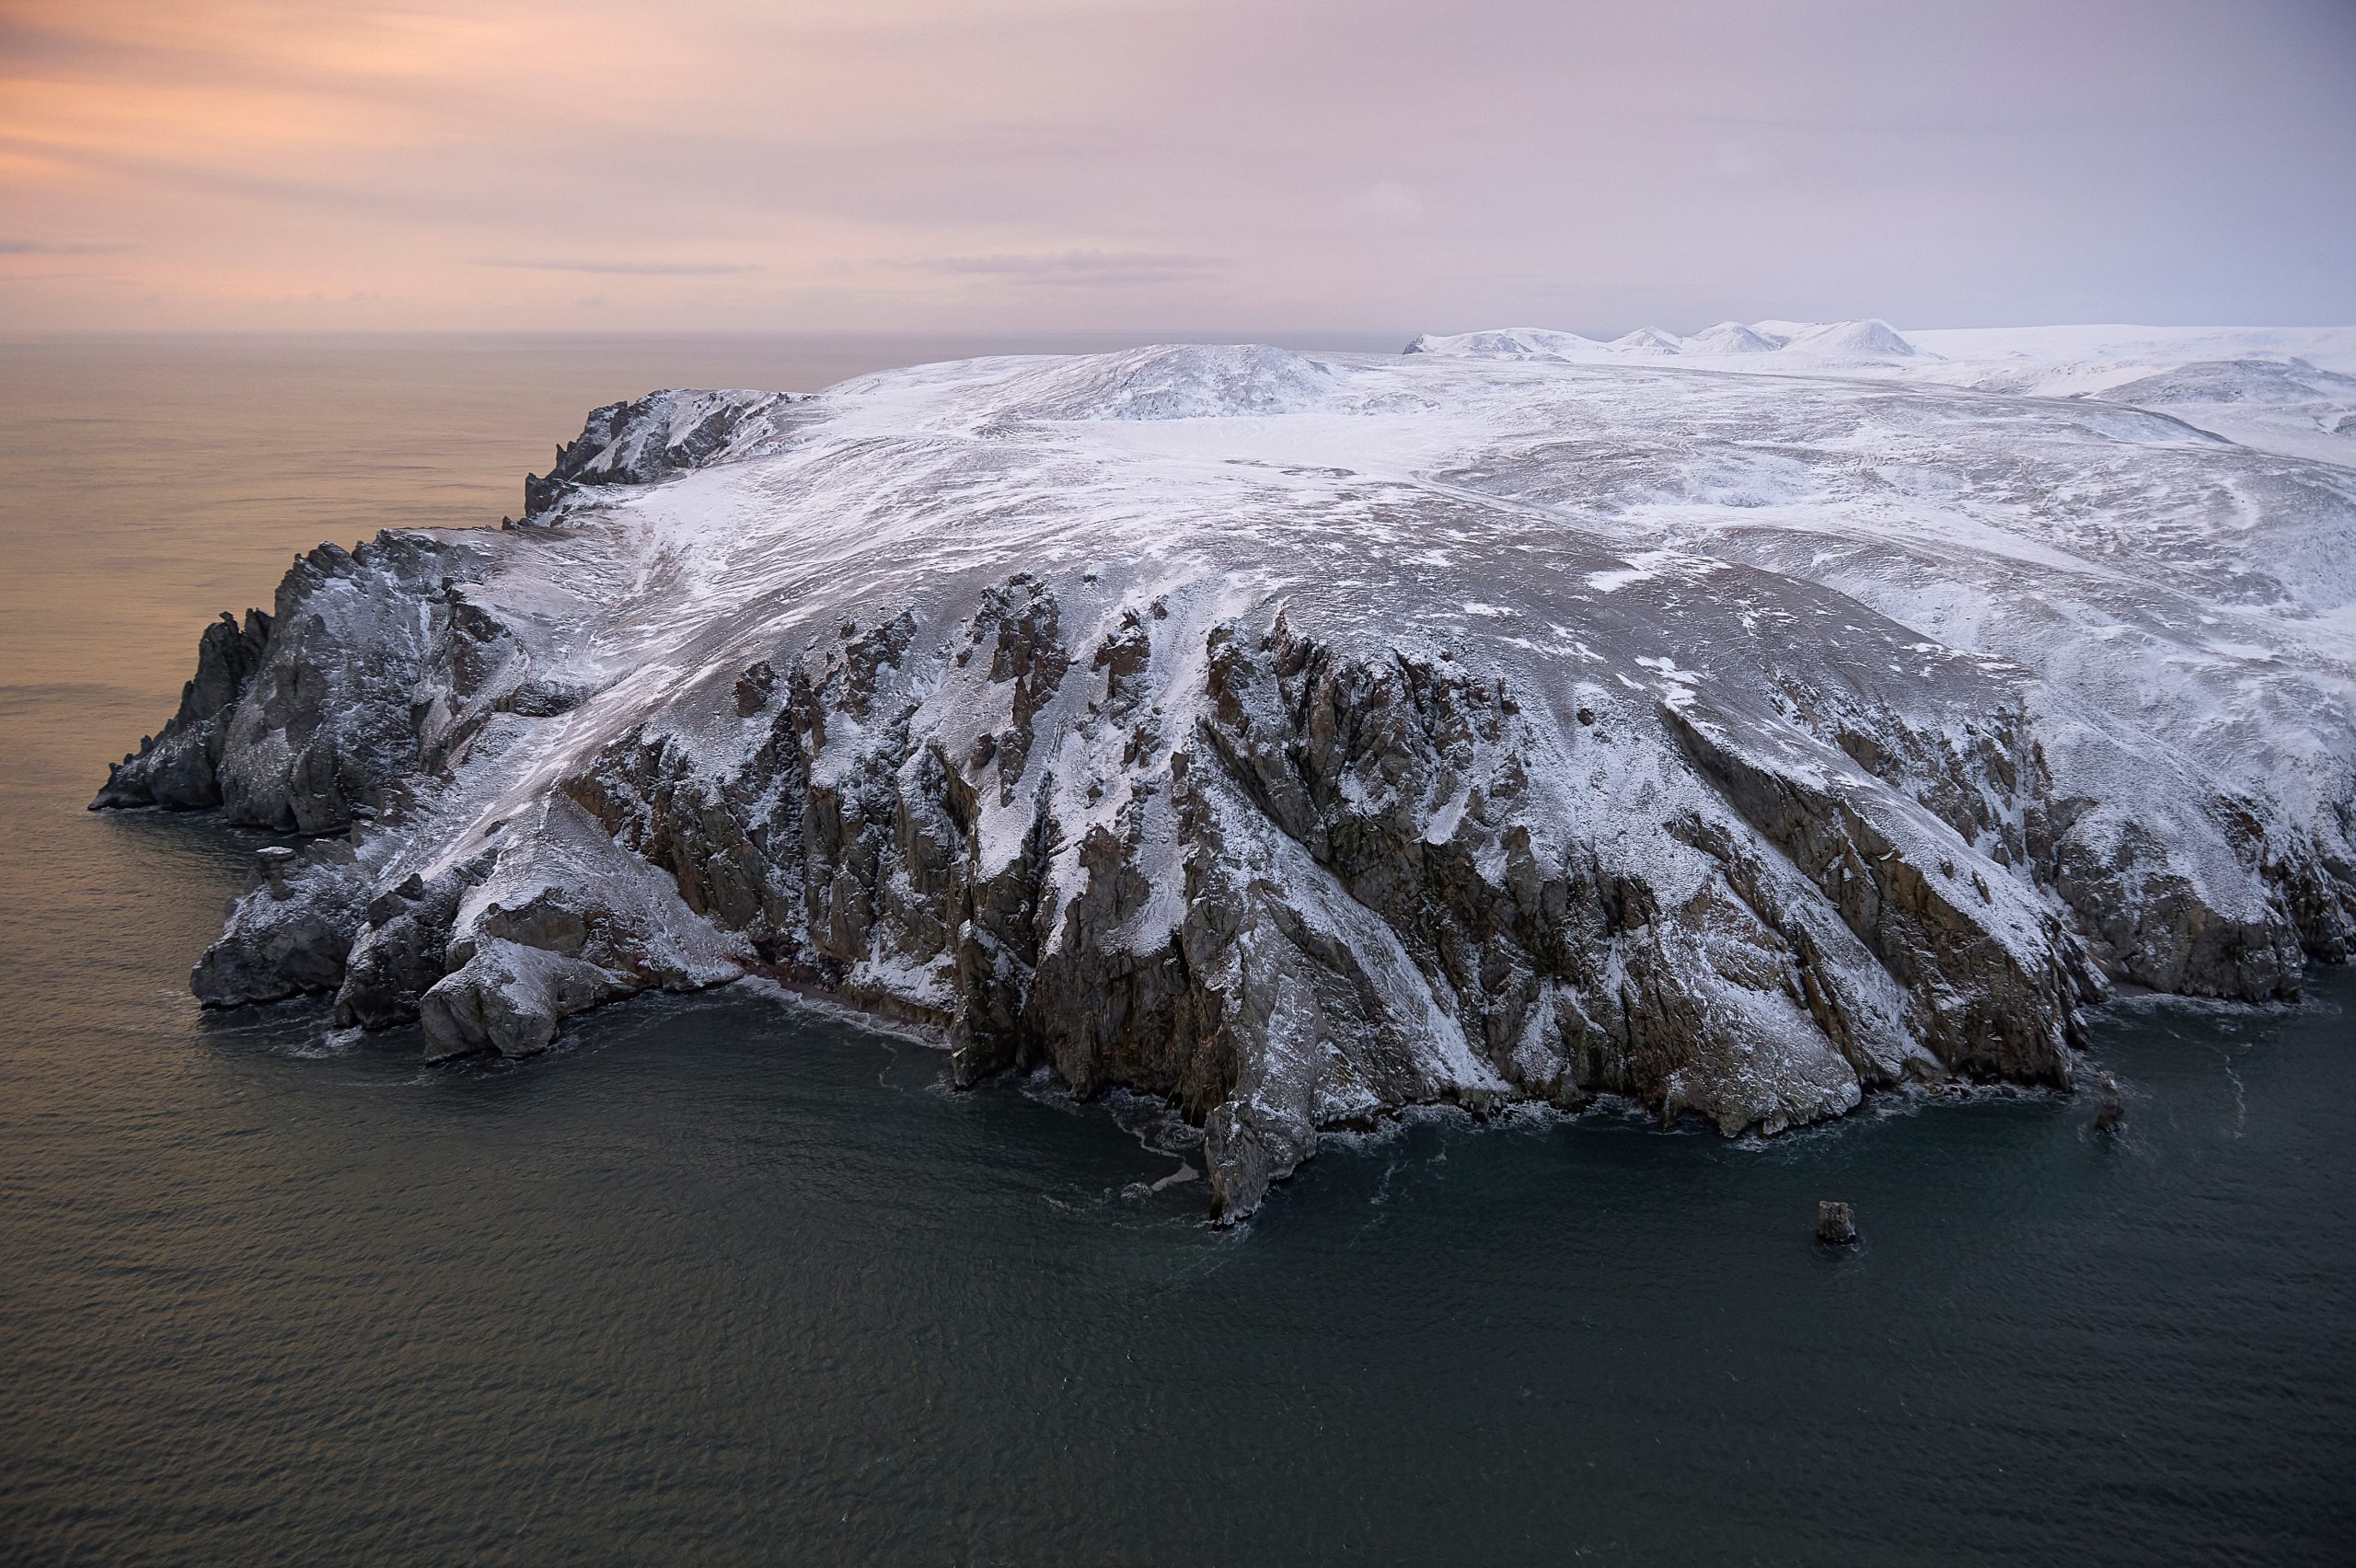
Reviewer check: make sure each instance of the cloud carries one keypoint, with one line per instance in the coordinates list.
(1076, 269)
(65, 277)
(624, 269)
(56, 248)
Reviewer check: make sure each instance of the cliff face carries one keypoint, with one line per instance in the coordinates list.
(1301, 739)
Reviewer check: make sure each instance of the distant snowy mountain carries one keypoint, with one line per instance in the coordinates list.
(1509, 342)
(1648, 339)
(1730, 338)
(1852, 340)
(1733, 730)
(2286, 390)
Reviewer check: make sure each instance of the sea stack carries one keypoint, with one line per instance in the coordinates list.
(2110, 1104)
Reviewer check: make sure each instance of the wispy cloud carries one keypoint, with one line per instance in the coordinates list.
(623, 269)
(1076, 269)
(107, 278)
(56, 248)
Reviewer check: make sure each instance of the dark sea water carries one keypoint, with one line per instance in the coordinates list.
(723, 1279)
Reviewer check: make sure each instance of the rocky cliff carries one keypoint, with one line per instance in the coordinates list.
(1303, 738)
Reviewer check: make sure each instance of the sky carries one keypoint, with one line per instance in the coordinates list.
(1197, 165)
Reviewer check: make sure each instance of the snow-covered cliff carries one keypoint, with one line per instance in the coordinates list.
(1300, 737)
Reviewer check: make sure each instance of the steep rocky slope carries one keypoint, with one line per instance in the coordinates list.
(1303, 737)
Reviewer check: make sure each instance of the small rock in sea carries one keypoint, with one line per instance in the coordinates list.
(1836, 1224)
(2110, 1104)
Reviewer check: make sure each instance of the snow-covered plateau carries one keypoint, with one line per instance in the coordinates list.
(1734, 722)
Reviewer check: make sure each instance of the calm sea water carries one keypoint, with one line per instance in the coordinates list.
(722, 1280)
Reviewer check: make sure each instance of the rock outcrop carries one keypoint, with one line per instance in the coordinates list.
(180, 767)
(661, 433)
(1300, 739)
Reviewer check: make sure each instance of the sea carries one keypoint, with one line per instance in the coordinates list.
(732, 1279)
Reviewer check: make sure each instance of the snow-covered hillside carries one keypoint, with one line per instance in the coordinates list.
(1734, 722)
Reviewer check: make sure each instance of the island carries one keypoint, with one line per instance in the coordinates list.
(1734, 723)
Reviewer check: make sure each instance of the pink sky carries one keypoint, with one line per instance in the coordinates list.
(1179, 163)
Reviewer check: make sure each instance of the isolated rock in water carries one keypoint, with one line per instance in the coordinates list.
(2110, 1103)
(1836, 1224)
(1301, 737)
